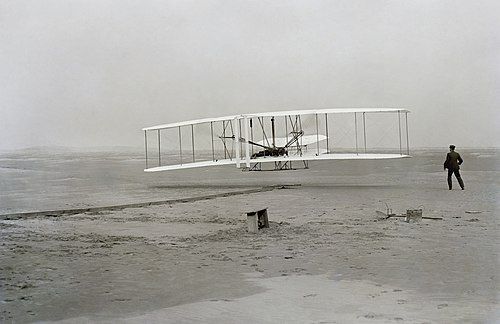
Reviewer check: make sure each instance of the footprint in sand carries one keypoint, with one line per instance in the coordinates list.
(221, 300)
(371, 316)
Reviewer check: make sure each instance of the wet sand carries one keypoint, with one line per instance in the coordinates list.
(326, 258)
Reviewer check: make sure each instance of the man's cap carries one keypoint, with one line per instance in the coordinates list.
(452, 146)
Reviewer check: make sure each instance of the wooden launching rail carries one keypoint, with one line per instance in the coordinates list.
(74, 211)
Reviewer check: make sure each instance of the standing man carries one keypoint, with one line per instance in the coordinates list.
(452, 163)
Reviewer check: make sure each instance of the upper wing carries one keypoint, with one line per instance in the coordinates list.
(276, 114)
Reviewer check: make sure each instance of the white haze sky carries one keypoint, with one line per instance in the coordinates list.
(93, 73)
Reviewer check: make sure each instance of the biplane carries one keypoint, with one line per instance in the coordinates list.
(284, 140)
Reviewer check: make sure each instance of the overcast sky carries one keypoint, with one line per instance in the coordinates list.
(94, 72)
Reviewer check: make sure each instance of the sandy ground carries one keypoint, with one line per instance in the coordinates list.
(326, 258)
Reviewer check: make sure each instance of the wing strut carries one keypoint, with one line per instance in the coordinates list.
(239, 134)
(192, 139)
(286, 130)
(407, 139)
(237, 137)
(356, 131)
(273, 132)
(399, 125)
(212, 136)
(247, 146)
(364, 130)
(159, 149)
(251, 131)
(327, 135)
(317, 134)
(180, 144)
(146, 146)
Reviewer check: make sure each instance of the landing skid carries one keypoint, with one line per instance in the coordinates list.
(278, 166)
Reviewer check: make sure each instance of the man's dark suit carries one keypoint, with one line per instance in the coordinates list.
(452, 163)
